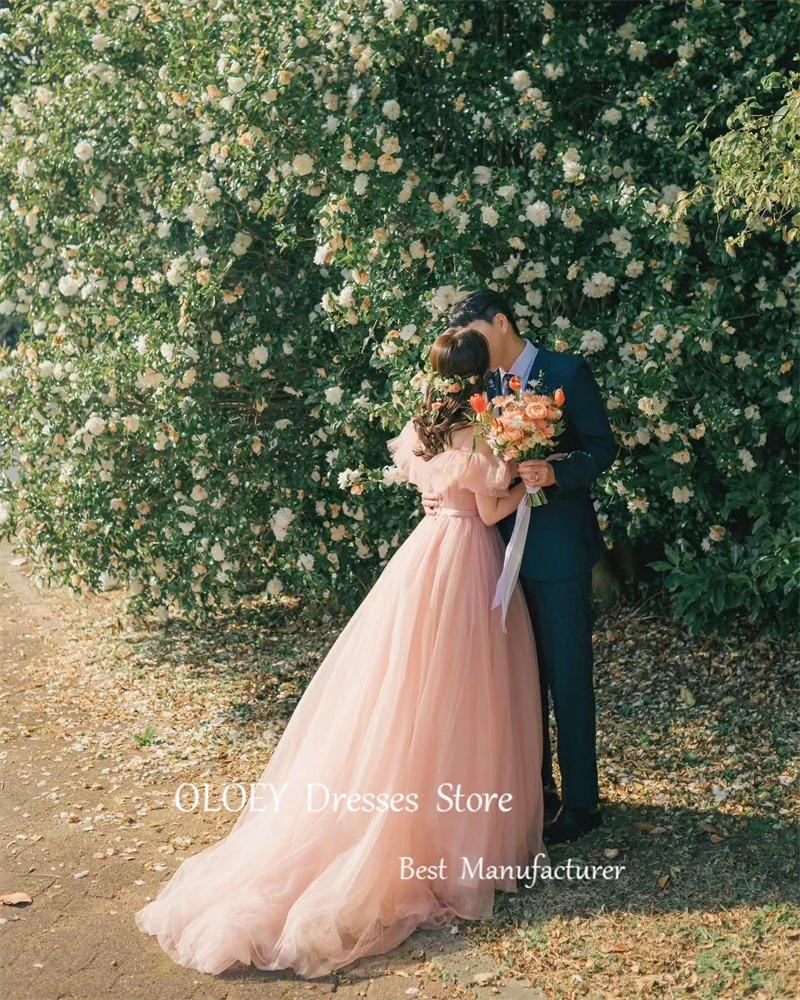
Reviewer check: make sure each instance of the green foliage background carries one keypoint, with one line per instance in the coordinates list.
(228, 232)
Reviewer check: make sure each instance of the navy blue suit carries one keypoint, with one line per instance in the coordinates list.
(564, 542)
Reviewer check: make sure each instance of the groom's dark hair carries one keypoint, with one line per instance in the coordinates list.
(485, 304)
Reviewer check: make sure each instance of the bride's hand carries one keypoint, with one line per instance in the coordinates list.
(431, 502)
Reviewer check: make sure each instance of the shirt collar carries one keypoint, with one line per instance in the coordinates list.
(524, 362)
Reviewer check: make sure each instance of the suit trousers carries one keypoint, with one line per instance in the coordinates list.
(561, 615)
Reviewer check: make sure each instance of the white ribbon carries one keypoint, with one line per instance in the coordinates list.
(513, 556)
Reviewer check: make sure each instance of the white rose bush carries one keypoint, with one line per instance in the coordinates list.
(228, 233)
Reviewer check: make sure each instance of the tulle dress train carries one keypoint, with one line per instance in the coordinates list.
(422, 691)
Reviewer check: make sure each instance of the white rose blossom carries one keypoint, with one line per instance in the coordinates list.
(592, 342)
(599, 285)
(538, 213)
(241, 243)
(84, 150)
(637, 50)
(521, 79)
(682, 494)
(302, 164)
(391, 110)
(280, 522)
(68, 285)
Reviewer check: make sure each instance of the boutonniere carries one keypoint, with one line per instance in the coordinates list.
(536, 383)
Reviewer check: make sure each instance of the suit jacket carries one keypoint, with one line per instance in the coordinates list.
(564, 537)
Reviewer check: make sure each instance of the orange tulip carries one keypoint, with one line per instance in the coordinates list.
(478, 403)
(558, 396)
(514, 383)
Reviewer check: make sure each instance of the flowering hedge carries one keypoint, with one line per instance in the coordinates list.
(757, 164)
(232, 229)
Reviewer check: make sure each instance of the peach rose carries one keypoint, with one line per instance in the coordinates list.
(536, 411)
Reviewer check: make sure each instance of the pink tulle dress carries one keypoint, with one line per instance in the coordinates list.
(421, 693)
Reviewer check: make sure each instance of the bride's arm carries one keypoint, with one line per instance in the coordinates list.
(493, 509)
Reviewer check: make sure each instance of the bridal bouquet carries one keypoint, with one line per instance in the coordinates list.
(521, 426)
(517, 427)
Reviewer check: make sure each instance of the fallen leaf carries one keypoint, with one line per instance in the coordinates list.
(651, 828)
(15, 899)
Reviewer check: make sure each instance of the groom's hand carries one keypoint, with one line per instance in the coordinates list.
(431, 502)
(537, 472)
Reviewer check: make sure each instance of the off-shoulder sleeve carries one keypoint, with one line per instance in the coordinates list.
(401, 449)
(472, 467)
(487, 474)
(484, 474)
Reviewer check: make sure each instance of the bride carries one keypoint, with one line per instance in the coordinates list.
(412, 764)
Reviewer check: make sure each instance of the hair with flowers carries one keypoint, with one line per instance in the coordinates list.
(437, 387)
(457, 366)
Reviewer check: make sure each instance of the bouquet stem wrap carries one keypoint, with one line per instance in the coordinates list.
(516, 546)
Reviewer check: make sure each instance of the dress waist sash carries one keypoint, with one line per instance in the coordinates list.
(455, 512)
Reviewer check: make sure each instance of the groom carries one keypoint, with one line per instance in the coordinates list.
(563, 544)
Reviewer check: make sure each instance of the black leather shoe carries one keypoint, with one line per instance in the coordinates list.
(552, 801)
(570, 824)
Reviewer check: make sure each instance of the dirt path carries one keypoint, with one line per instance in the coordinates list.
(89, 847)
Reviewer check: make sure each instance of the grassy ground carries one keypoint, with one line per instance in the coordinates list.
(699, 745)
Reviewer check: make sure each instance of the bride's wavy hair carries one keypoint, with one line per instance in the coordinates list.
(462, 357)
